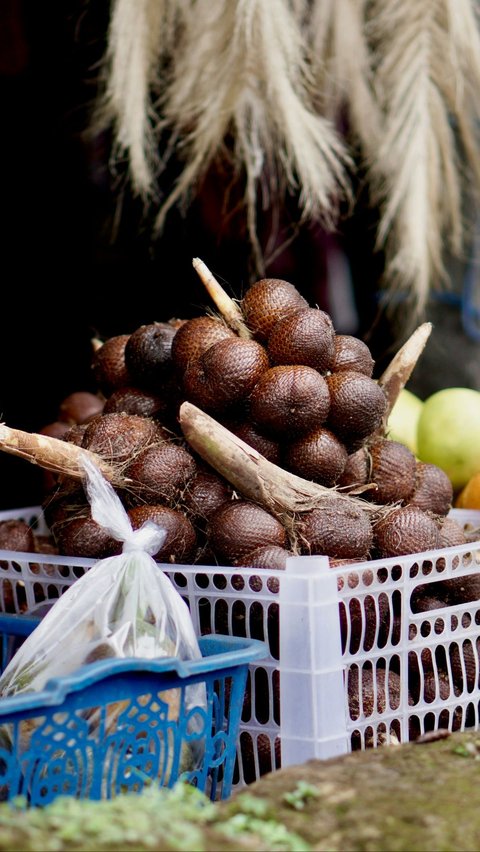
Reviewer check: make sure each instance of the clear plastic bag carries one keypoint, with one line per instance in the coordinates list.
(124, 606)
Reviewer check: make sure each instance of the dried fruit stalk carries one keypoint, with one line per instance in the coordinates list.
(227, 307)
(53, 454)
(398, 372)
(249, 472)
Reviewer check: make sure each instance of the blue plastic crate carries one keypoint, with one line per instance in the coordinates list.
(120, 725)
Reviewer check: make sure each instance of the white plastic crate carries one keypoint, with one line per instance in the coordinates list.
(384, 671)
(325, 658)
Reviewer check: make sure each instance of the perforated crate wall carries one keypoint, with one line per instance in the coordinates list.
(120, 725)
(336, 636)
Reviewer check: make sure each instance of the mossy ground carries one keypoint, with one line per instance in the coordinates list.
(409, 798)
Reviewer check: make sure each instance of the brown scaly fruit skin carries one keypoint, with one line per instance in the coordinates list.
(65, 501)
(268, 558)
(357, 470)
(84, 537)
(393, 471)
(118, 437)
(361, 691)
(374, 694)
(306, 336)
(289, 400)
(132, 400)
(16, 535)
(433, 490)
(366, 628)
(80, 407)
(204, 494)
(240, 527)
(460, 590)
(45, 544)
(194, 338)
(352, 354)
(180, 542)
(225, 374)
(109, 366)
(162, 407)
(451, 533)
(267, 301)
(430, 691)
(266, 761)
(428, 596)
(160, 473)
(248, 432)
(342, 533)
(464, 651)
(357, 405)
(446, 688)
(74, 434)
(148, 355)
(405, 530)
(318, 456)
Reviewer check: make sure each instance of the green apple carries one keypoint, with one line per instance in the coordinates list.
(403, 420)
(448, 433)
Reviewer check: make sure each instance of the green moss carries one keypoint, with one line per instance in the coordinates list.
(302, 793)
(126, 822)
(411, 798)
(177, 819)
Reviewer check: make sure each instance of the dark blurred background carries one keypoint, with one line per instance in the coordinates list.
(78, 260)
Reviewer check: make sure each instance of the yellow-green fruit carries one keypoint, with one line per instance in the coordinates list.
(403, 421)
(448, 433)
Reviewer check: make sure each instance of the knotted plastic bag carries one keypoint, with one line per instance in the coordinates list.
(124, 606)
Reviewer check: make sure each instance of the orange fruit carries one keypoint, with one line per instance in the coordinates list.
(469, 496)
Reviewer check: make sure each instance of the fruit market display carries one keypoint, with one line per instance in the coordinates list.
(274, 374)
(249, 434)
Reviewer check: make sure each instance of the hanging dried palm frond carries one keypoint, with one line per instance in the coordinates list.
(141, 38)
(426, 60)
(234, 68)
(268, 84)
(341, 64)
